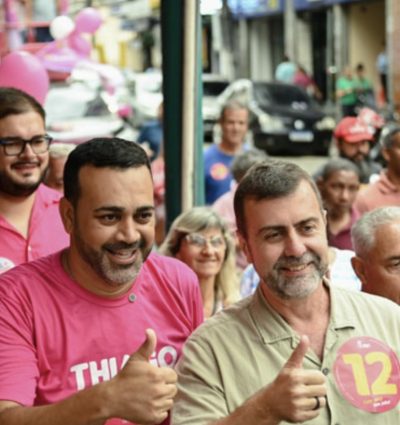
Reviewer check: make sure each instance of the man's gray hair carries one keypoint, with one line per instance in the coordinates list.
(233, 104)
(60, 150)
(387, 136)
(244, 161)
(363, 231)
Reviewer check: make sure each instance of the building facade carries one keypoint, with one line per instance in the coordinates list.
(321, 35)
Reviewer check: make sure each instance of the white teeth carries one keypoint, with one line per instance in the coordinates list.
(123, 254)
(297, 268)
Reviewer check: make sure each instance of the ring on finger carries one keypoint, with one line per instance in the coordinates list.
(317, 403)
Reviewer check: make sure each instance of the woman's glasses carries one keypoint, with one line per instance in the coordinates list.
(200, 241)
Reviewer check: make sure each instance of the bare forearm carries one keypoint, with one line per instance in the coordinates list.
(84, 408)
(250, 412)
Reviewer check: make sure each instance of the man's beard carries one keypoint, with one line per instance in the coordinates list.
(10, 187)
(114, 274)
(296, 287)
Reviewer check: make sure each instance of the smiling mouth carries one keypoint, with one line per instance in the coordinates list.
(25, 165)
(295, 268)
(123, 256)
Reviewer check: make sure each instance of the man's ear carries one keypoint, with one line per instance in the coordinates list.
(385, 154)
(319, 182)
(359, 269)
(67, 214)
(325, 216)
(244, 247)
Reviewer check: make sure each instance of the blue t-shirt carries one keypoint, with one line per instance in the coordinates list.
(217, 173)
(152, 133)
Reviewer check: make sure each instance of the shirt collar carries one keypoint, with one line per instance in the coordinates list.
(272, 327)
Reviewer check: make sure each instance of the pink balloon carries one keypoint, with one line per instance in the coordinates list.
(88, 20)
(24, 71)
(79, 44)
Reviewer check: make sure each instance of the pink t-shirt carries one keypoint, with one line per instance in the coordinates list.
(224, 207)
(46, 232)
(382, 193)
(56, 338)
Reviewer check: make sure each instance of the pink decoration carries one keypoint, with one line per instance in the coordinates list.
(24, 71)
(79, 44)
(88, 20)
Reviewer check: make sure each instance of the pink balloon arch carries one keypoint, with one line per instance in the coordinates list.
(63, 54)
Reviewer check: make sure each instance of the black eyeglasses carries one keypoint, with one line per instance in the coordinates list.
(14, 146)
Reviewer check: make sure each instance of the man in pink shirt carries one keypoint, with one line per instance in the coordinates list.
(386, 190)
(30, 225)
(224, 204)
(89, 335)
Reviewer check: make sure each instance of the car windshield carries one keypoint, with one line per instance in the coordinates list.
(214, 88)
(279, 94)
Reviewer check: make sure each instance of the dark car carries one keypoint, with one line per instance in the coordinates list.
(284, 120)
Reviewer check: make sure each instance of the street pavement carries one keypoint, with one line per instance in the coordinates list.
(308, 163)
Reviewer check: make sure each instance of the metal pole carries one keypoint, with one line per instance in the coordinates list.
(172, 47)
(188, 103)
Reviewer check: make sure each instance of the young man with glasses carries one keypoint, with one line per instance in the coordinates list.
(30, 224)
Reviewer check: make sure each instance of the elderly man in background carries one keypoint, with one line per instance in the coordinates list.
(58, 153)
(376, 240)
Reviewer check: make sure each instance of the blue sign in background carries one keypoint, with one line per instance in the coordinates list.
(253, 8)
(311, 4)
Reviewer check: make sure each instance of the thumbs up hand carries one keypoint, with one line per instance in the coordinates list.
(296, 359)
(141, 392)
(293, 395)
(145, 351)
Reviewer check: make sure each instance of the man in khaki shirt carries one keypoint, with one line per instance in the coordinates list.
(295, 351)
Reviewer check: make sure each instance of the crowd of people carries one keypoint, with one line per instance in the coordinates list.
(250, 309)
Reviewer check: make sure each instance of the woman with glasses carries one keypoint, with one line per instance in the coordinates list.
(201, 239)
